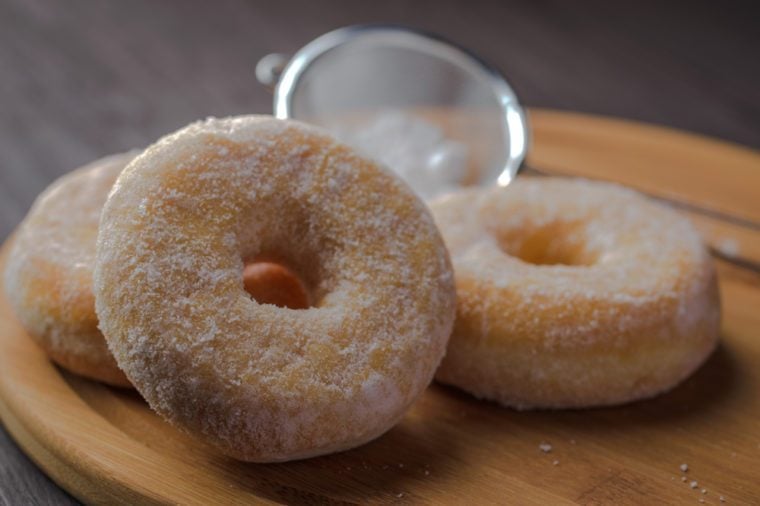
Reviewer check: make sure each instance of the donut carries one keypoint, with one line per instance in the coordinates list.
(574, 294)
(273, 283)
(48, 275)
(260, 382)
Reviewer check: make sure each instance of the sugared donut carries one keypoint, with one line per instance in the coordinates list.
(261, 382)
(48, 276)
(574, 294)
(273, 283)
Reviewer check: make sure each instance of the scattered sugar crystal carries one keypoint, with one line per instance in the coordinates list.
(728, 247)
(693, 484)
(684, 468)
(545, 447)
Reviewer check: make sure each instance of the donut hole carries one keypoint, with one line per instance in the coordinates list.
(557, 243)
(270, 282)
(283, 257)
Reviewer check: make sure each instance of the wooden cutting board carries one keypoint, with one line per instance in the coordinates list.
(104, 445)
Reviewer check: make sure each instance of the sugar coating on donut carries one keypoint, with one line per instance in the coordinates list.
(261, 382)
(574, 293)
(48, 276)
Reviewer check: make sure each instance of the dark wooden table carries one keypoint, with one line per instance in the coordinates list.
(82, 79)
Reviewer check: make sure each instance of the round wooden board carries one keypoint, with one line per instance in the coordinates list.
(105, 445)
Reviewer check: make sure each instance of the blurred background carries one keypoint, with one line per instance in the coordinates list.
(84, 78)
(81, 79)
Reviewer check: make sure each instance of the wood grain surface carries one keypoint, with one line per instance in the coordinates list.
(106, 446)
(81, 79)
